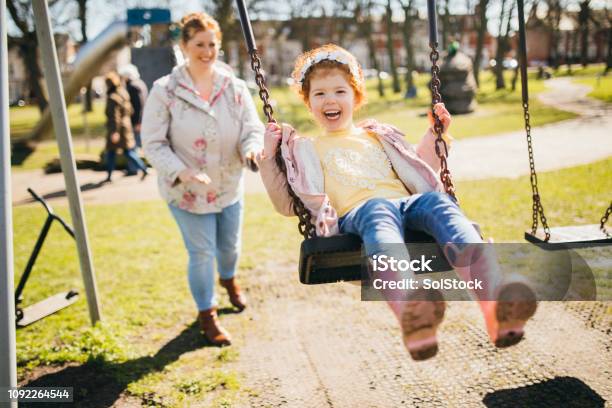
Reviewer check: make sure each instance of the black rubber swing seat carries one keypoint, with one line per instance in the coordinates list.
(571, 235)
(339, 258)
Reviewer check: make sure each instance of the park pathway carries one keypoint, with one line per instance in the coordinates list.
(559, 145)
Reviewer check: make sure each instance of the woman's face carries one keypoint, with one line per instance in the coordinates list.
(332, 100)
(202, 49)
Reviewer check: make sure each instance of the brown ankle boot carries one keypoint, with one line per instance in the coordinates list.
(213, 331)
(236, 296)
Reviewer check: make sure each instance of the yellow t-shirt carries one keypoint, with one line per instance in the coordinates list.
(356, 169)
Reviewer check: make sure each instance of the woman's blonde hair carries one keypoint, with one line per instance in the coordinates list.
(193, 23)
(314, 62)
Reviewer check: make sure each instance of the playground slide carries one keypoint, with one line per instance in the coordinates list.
(86, 65)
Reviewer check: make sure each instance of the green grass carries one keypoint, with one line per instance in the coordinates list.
(579, 71)
(602, 86)
(498, 111)
(23, 119)
(140, 267)
(578, 195)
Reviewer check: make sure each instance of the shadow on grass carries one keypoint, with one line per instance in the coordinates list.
(20, 152)
(99, 383)
(62, 193)
(556, 392)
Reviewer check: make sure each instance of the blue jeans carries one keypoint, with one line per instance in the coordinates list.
(381, 221)
(131, 156)
(208, 237)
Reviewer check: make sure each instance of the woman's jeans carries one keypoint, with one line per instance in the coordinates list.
(131, 156)
(208, 237)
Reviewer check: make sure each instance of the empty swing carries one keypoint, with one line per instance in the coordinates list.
(572, 235)
(339, 257)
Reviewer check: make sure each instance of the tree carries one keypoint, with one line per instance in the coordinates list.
(482, 31)
(339, 23)
(553, 17)
(444, 17)
(27, 43)
(82, 11)
(584, 15)
(363, 16)
(390, 48)
(503, 44)
(407, 33)
(303, 10)
(223, 12)
(609, 56)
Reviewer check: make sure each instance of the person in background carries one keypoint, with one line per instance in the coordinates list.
(119, 134)
(138, 92)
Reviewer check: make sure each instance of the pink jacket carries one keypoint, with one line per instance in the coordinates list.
(416, 167)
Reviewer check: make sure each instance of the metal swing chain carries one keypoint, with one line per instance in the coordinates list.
(305, 225)
(604, 219)
(538, 209)
(440, 144)
(264, 94)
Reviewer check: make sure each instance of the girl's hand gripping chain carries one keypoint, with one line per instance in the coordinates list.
(445, 117)
(272, 139)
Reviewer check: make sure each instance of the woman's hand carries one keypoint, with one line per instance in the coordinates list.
(441, 112)
(272, 139)
(191, 175)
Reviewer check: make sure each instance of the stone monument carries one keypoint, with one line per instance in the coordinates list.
(458, 85)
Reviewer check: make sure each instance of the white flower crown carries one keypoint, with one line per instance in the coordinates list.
(338, 56)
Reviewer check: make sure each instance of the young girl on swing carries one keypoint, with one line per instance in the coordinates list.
(367, 180)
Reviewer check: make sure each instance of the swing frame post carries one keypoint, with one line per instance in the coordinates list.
(8, 361)
(59, 114)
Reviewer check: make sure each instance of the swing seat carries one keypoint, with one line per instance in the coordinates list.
(44, 308)
(339, 258)
(570, 236)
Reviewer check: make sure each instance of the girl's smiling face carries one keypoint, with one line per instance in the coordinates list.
(331, 100)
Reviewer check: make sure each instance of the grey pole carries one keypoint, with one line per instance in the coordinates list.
(57, 104)
(8, 360)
